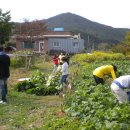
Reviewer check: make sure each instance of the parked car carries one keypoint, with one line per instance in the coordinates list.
(9, 49)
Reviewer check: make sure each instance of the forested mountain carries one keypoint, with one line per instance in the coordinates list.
(91, 32)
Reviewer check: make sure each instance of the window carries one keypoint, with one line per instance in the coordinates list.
(75, 44)
(56, 44)
(28, 44)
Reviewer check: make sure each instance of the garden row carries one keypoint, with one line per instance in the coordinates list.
(92, 107)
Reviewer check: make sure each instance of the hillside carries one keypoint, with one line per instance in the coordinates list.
(97, 32)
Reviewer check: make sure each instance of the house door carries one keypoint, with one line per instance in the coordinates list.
(41, 46)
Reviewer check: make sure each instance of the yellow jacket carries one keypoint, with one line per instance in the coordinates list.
(104, 70)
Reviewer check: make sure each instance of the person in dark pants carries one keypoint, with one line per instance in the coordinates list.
(65, 73)
(4, 75)
(101, 71)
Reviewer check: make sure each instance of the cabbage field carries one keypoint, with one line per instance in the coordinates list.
(92, 107)
(89, 107)
(95, 106)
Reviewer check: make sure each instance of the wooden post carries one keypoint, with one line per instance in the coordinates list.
(26, 64)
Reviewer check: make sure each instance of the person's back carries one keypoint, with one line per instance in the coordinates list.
(104, 70)
(55, 60)
(121, 88)
(4, 66)
(4, 74)
(124, 80)
(65, 68)
(100, 72)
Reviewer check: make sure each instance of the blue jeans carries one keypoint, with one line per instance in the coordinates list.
(129, 96)
(63, 79)
(3, 89)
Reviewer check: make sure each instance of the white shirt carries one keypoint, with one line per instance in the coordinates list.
(65, 70)
(124, 81)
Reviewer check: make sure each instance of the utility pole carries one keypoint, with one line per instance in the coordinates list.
(93, 47)
(88, 39)
(20, 26)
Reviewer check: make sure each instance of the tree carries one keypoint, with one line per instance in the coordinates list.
(29, 31)
(104, 46)
(33, 28)
(5, 26)
(123, 47)
(127, 39)
(120, 48)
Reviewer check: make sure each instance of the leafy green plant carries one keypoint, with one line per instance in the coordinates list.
(37, 84)
(95, 106)
(17, 61)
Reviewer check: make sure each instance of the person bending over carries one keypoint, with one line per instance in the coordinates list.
(100, 72)
(121, 88)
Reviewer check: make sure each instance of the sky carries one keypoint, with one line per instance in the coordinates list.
(113, 13)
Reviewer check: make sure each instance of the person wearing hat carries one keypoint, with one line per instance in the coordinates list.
(100, 72)
(4, 75)
(121, 88)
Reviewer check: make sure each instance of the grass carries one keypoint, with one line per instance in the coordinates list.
(24, 111)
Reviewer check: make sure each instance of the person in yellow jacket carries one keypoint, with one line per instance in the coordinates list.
(101, 71)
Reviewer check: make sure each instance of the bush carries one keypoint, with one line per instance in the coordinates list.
(97, 56)
(23, 59)
(18, 61)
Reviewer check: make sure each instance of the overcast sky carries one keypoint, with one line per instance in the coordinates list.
(115, 13)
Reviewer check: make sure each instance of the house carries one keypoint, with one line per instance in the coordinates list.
(51, 40)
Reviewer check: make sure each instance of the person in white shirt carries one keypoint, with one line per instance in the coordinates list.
(64, 71)
(120, 87)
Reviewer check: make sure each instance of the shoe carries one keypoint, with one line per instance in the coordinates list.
(1, 102)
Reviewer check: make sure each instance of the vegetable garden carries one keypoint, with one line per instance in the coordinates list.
(89, 107)
(95, 107)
